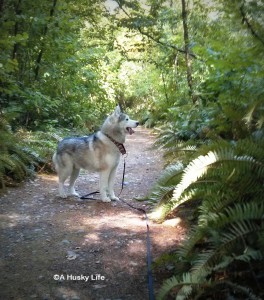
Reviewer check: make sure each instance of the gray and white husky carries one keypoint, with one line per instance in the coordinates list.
(99, 152)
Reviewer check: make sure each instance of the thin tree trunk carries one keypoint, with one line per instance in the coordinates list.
(188, 60)
(39, 58)
(1, 7)
(176, 67)
(164, 87)
(18, 12)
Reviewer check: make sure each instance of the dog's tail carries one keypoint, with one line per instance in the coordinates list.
(55, 161)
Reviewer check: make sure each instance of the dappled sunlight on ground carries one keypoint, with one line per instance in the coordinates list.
(13, 219)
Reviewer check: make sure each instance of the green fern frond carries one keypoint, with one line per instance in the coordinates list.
(204, 262)
(249, 255)
(236, 213)
(240, 230)
(223, 162)
(194, 237)
(255, 115)
(221, 255)
(235, 225)
(165, 184)
(248, 118)
(6, 162)
(179, 151)
(241, 212)
(15, 163)
(260, 122)
(166, 206)
(161, 194)
(167, 135)
(251, 148)
(201, 165)
(195, 170)
(185, 284)
(239, 288)
(222, 246)
(170, 175)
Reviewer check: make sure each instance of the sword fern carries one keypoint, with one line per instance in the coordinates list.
(229, 231)
(22, 153)
(14, 161)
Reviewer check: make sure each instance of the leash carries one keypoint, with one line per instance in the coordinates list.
(149, 256)
(89, 195)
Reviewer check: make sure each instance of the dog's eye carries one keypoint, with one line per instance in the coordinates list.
(127, 119)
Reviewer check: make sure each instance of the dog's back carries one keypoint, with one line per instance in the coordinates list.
(76, 152)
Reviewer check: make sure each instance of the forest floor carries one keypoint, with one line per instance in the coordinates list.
(49, 246)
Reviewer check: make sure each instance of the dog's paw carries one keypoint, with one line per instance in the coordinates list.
(114, 198)
(73, 193)
(106, 199)
(63, 195)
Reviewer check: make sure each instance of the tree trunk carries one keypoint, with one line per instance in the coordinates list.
(39, 58)
(1, 7)
(188, 60)
(18, 12)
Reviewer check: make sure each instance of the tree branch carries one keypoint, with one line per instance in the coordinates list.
(158, 41)
(245, 20)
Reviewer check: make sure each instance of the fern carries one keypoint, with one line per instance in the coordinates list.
(165, 184)
(228, 181)
(212, 166)
(40, 147)
(219, 257)
(16, 163)
(187, 280)
(255, 115)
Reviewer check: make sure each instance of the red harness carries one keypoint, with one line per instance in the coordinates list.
(120, 146)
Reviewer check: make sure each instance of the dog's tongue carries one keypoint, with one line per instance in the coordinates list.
(130, 130)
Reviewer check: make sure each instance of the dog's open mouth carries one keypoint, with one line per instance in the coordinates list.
(130, 130)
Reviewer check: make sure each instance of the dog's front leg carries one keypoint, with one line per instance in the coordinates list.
(111, 182)
(104, 176)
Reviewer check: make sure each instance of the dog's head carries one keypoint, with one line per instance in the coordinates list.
(124, 121)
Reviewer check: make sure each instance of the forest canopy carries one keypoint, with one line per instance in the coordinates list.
(69, 62)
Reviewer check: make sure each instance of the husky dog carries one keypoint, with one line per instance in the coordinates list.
(98, 152)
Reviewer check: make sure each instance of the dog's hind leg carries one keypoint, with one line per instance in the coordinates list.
(74, 175)
(64, 171)
(111, 182)
(62, 177)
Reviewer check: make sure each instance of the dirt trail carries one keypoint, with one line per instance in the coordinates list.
(49, 246)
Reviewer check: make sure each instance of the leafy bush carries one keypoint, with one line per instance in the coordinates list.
(16, 162)
(41, 146)
(25, 153)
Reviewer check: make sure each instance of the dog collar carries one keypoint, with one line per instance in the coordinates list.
(120, 146)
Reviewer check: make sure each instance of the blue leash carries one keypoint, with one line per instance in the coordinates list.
(149, 256)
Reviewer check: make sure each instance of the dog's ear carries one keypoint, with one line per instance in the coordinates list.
(120, 106)
(117, 110)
